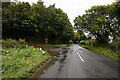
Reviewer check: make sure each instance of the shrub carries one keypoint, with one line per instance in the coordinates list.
(115, 46)
(10, 43)
(71, 42)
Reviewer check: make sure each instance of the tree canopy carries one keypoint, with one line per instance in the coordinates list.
(36, 22)
(98, 22)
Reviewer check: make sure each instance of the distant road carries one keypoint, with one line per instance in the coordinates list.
(77, 62)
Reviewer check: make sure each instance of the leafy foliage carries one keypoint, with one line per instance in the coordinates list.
(78, 36)
(116, 9)
(99, 23)
(115, 46)
(83, 42)
(16, 23)
(36, 22)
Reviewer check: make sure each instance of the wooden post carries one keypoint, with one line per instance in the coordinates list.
(46, 40)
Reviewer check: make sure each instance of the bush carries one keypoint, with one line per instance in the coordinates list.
(115, 46)
(83, 42)
(71, 42)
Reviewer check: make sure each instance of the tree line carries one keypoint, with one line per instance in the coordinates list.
(35, 23)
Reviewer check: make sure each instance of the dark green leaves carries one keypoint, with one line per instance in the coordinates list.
(36, 22)
(100, 22)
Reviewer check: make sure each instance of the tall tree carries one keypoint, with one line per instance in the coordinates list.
(115, 15)
(51, 23)
(16, 22)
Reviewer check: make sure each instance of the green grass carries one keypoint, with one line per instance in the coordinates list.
(21, 62)
(51, 45)
(104, 51)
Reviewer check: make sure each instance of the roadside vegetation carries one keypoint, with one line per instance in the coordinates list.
(102, 23)
(20, 60)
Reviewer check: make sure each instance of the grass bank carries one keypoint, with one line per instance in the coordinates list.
(103, 51)
(20, 60)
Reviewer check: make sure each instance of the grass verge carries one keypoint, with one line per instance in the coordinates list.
(19, 60)
(103, 51)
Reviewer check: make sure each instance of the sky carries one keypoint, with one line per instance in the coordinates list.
(73, 8)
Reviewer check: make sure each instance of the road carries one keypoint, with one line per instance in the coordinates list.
(76, 62)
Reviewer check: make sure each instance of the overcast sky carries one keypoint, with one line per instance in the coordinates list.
(73, 7)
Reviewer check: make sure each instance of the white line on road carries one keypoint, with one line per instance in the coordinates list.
(80, 57)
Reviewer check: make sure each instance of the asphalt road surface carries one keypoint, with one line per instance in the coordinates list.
(76, 62)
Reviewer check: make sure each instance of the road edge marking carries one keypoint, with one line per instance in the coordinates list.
(80, 57)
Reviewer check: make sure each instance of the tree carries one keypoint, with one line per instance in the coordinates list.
(51, 23)
(36, 22)
(97, 21)
(82, 35)
(5, 4)
(16, 22)
(61, 28)
(115, 13)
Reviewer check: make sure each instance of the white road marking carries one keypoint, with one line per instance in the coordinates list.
(80, 57)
